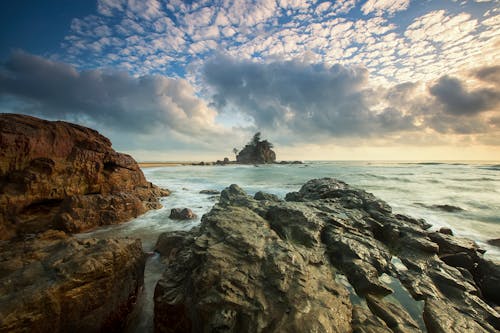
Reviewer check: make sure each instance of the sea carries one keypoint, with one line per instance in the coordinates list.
(414, 188)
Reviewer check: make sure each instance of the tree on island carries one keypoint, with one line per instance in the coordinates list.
(255, 140)
(235, 151)
(257, 151)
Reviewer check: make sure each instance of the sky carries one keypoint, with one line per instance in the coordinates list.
(322, 80)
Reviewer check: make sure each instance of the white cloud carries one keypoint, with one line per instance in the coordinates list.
(380, 7)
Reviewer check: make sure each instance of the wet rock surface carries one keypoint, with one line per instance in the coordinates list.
(182, 214)
(58, 175)
(56, 283)
(266, 265)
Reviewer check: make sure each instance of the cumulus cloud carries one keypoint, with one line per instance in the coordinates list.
(306, 100)
(456, 99)
(295, 101)
(136, 105)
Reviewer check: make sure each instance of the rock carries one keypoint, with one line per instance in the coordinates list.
(182, 214)
(257, 152)
(266, 196)
(258, 265)
(460, 259)
(169, 243)
(211, 192)
(394, 316)
(363, 321)
(448, 208)
(446, 231)
(58, 175)
(250, 281)
(441, 317)
(449, 244)
(56, 283)
(290, 162)
(494, 242)
(487, 276)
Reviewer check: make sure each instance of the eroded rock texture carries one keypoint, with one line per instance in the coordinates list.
(265, 265)
(55, 283)
(57, 175)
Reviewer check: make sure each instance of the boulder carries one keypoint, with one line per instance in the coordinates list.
(182, 214)
(256, 265)
(266, 196)
(58, 175)
(56, 283)
(446, 231)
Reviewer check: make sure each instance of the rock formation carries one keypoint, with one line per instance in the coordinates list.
(331, 258)
(57, 175)
(55, 283)
(182, 214)
(257, 152)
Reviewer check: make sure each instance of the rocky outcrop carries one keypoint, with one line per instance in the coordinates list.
(256, 152)
(57, 175)
(182, 214)
(331, 258)
(55, 283)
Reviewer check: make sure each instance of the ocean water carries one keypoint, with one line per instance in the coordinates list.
(411, 188)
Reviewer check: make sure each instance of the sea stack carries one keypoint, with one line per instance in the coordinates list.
(257, 152)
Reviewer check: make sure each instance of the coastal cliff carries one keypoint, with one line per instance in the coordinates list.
(329, 258)
(58, 175)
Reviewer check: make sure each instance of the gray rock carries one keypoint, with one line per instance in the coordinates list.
(211, 192)
(266, 196)
(257, 264)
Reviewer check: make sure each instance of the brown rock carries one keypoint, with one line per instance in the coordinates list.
(56, 283)
(182, 214)
(65, 176)
(446, 231)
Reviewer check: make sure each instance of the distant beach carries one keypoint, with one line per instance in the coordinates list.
(163, 164)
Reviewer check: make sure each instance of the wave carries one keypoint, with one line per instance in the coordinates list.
(397, 179)
(494, 167)
(481, 179)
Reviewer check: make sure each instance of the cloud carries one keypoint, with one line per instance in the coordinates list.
(381, 6)
(138, 106)
(316, 102)
(303, 99)
(489, 74)
(457, 100)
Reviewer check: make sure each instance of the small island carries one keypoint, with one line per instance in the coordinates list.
(255, 152)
